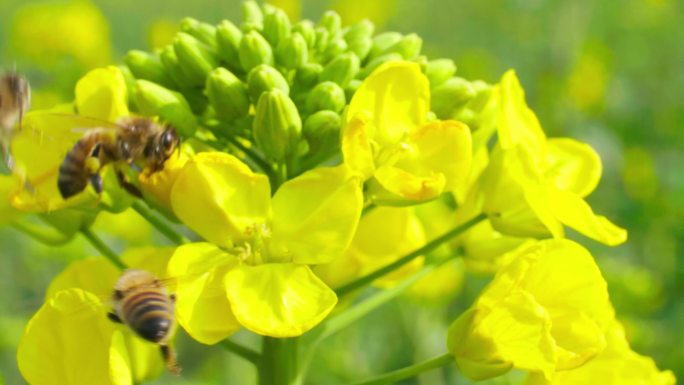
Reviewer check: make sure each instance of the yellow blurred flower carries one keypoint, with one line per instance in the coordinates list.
(71, 341)
(47, 32)
(389, 141)
(257, 266)
(545, 311)
(533, 186)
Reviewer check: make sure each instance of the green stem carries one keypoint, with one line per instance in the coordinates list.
(103, 248)
(368, 209)
(247, 353)
(42, 234)
(278, 364)
(159, 224)
(409, 371)
(430, 246)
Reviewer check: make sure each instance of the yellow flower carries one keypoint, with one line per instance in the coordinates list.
(255, 272)
(100, 96)
(616, 365)
(533, 185)
(389, 141)
(545, 311)
(70, 341)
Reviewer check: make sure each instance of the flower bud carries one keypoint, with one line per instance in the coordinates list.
(322, 131)
(408, 46)
(334, 48)
(252, 17)
(322, 38)
(206, 33)
(264, 78)
(148, 66)
(438, 71)
(292, 52)
(227, 94)
(451, 95)
(342, 69)
(359, 38)
(306, 29)
(277, 125)
(170, 62)
(195, 58)
(377, 62)
(352, 87)
(382, 42)
(170, 106)
(276, 27)
(307, 76)
(326, 96)
(254, 50)
(228, 38)
(332, 22)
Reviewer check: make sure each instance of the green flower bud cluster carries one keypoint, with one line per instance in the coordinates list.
(231, 79)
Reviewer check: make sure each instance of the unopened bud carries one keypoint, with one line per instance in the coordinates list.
(482, 93)
(451, 95)
(228, 38)
(277, 125)
(227, 94)
(331, 21)
(252, 17)
(408, 46)
(169, 60)
(342, 69)
(359, 38)
(276, 27)
(148, 66)
(382, 42)
(377, 62)
(254, 50)
(307, 76)
(264, 78)
(326, 96)
(292, 52)
(195, 58)
(170, 106)
(206, 33)
(352, 87)
(322, 38)
(322, 131)
(438, 71)
(306, 29)
(335, 48)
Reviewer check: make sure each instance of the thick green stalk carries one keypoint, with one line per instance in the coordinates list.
(409, 371)
(159, 224)
(98, 244)
(278, 364)
(430, 246)
(42, 234)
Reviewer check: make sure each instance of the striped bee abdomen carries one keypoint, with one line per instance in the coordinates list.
(149, 312)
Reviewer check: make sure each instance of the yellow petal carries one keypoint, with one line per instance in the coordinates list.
(119, 360)
(315, 215)
(63, 346)
(278, 300)
(356, 147)
(397, 98)
(402, 186)
(219, 197)
(517, 123)
(151, 258)
(102, 94)
(95, 275)
(572, 166)
(141, 358)
(157, 186)
(574, 212)
(442, 147)
(202, 307)
(9, 185)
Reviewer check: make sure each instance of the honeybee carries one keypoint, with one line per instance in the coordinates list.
(135, 141)
(143, 303)
(15, 99)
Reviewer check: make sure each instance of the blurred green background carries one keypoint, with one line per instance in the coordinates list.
(609, 73)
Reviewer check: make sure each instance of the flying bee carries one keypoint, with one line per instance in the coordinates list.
(143, 303)
(15, 99)
(135, 141)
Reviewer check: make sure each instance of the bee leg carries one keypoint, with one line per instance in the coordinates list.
(96, 181)
(169, 356)
(173, 298)
(128, 186)
(114, 318)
